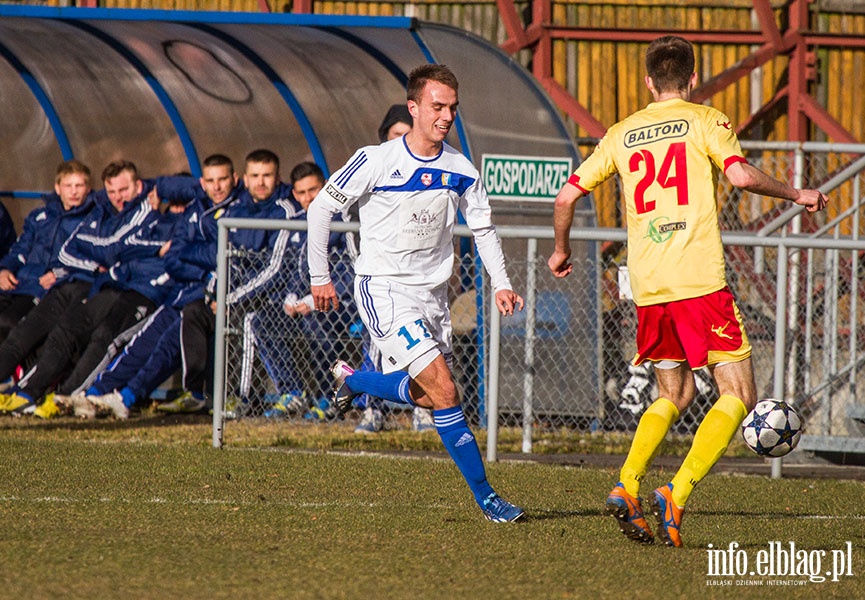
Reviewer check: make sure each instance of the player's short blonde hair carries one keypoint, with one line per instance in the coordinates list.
(72, 167)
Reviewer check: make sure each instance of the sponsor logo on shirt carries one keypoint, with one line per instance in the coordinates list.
(396, 175)
(423, 225)
(659, 231)
(336, 194)
(656, 132)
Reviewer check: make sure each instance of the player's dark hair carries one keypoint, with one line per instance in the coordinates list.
(263, 156)
(419, 76)
(305, 169)
(218, 160)
(670, 63)
(71, 167)
(115, 168)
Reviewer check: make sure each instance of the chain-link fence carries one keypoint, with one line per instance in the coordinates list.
(564, 363)
(278, 351)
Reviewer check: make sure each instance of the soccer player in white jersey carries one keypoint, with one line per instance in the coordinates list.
(668, 156)
(409, 191)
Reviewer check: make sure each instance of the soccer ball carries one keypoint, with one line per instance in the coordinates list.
(773, 428)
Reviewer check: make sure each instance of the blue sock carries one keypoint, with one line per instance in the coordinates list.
(393, 386)
(23, 394)
(128, 397)
(463, 448)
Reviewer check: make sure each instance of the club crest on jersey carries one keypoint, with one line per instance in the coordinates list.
(426, 178)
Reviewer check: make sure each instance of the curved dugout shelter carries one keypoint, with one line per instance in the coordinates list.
(167, 88)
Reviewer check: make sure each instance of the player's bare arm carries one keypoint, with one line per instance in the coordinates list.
(507, 301)
(563, 217)
(750, 178)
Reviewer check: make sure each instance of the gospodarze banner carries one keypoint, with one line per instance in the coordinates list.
(532, 178)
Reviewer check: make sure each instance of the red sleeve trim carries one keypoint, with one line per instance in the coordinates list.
(733, 160)
(574, 180)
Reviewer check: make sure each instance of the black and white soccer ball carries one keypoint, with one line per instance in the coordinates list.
(773, 428)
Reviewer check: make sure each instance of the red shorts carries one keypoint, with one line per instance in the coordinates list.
(702, 331)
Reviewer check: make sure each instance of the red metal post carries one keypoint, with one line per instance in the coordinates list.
(796, 41)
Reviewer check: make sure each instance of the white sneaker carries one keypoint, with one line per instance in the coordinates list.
(422, 419)
(372, 421)
(64, 403)
(81, 405)
(113, 403)
(342, 394)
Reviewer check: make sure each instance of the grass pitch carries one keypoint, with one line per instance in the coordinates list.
(147, 509)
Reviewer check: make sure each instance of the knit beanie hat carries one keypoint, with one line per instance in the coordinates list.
(398, 113)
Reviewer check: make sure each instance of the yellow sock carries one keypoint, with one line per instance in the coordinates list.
(710, 442)
(651, 431)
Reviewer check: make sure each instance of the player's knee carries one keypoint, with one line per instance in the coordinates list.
(436, 395)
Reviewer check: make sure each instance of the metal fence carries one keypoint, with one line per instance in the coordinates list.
(563, 364)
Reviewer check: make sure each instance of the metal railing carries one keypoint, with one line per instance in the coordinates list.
(514, 351)
(563, 363)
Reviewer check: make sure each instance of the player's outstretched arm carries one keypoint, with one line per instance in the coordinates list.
(750, 178)
(507, 301)
(563, 217)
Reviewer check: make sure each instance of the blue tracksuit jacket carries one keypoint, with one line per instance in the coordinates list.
(37, 250)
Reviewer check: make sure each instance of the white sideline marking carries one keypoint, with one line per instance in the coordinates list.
(206, 501)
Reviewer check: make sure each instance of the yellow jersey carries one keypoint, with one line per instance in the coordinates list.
(668, 156)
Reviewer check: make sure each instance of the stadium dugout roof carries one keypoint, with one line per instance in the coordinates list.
(167, 88)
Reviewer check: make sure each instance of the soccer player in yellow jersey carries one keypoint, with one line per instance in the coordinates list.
(668, 156)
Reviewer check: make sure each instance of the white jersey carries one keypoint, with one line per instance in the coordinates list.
(408, 208)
